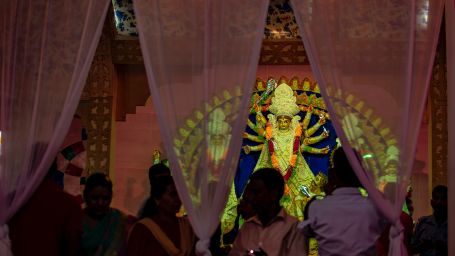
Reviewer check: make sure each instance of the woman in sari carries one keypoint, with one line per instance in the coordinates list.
(105, 228)
(160, 232)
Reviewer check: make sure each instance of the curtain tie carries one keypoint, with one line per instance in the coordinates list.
(396, 236)
(5, 243)
(202, 247)
(4, 231)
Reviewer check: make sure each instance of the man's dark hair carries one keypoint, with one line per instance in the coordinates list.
(158, 170)
(271, 178)
(343, 170)
(440, 189)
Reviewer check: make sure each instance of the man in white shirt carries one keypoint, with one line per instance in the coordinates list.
(272, 231)
(345, 222)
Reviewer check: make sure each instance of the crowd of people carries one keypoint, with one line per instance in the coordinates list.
(344, 222)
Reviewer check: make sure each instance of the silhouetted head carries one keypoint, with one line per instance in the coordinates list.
(330, 185)
(98, 195)
(265, 189)
(163, 198)
(158, 170)
(344, 174)
(244, 207)
(439, 199)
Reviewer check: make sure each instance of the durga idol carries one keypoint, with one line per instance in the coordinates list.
(285, 140)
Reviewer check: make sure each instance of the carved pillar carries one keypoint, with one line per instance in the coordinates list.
(96, 104)
(438, 101)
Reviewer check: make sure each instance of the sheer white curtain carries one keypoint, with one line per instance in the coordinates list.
(450, 50)
(201, 58)
(373, 60)
(46, 49)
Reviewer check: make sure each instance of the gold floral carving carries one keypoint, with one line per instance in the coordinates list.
(97, 98)
(283, 52)
(126, 52)
(438, 97)
(273, 52)
(99, 134)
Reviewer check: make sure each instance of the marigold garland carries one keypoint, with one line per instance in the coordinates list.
(295, 150)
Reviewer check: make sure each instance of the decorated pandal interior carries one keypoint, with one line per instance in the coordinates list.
(288, 128)
(301, 127)
(177, 107)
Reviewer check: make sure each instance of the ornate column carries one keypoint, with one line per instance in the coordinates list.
(438, 107)
(95, 106)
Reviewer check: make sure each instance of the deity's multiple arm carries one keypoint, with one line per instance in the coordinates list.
(259, 128)
(306, 120)
(249, 148)
(261, 122)
(310, 131)
(307, 138)
(252, 126)
(313, 150)
(315, 139)
(254, 138)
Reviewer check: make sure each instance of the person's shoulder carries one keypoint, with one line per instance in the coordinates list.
(127, 218)
(118, 212)
(306, 210)
(131, 219)
(140, 233)
(129, 222)
(319, 202)
(425, 219)
(289, 218)
(140, 226)
(249, 225)
(371, 208)
(367, 202)
(291, 222)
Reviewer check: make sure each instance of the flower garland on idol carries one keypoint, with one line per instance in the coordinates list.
(293, 158)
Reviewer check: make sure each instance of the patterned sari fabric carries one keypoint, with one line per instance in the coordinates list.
(106, 237)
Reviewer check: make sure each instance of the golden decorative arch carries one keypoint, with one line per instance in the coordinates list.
(377, 134)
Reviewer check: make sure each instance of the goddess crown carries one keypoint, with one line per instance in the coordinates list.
(284, 102)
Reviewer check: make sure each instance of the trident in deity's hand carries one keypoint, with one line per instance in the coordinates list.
(304, 189)
(270, 87)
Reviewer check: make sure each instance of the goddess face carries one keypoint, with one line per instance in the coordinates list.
(283, 122)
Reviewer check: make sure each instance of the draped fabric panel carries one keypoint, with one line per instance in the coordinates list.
(46, 49)
(450, 50)
(201, 58)
(376, 56)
